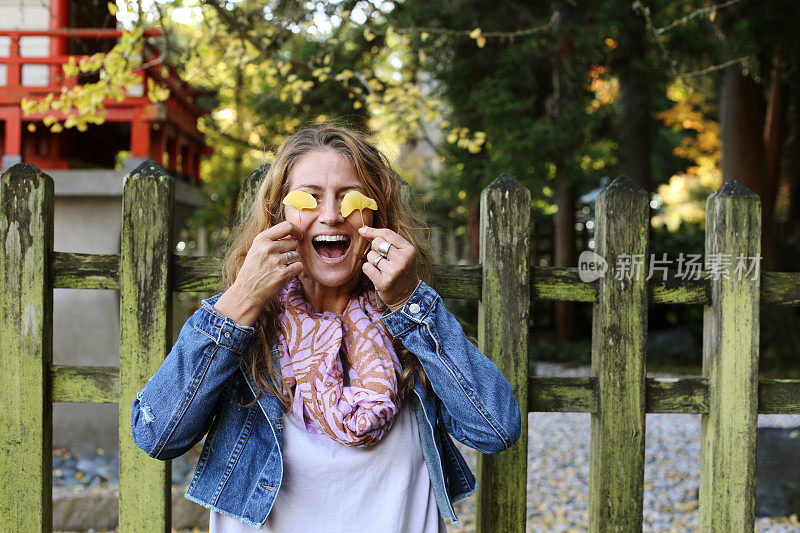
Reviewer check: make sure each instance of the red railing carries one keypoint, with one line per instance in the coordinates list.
(178, 114)
(13, 91)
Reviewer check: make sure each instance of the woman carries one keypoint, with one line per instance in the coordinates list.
(328, 374)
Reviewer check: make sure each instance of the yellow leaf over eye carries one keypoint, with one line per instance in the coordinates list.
(355, 200)
(300, 200)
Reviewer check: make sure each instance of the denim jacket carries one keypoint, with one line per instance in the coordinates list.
(202, 388)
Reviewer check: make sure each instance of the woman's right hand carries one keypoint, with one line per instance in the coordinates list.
(263, 274)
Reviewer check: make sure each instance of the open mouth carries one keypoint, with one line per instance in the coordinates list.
(331, 248)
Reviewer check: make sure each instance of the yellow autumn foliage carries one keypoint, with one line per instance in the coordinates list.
(684, 196)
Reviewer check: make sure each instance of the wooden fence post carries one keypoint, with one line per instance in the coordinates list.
(26, 329)
(145, 299)
(730, 361)
(503, 336)
(247, 193)
(619, 335)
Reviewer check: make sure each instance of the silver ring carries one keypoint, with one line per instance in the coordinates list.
(291, 257)
(377, 260)
(383, 248)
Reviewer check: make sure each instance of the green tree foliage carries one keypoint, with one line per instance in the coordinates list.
(536, 124)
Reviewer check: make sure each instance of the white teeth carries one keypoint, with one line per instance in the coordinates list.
(330, 238)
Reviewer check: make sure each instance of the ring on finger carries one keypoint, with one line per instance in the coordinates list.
(383, 248)
(377, 260)
(291, 257)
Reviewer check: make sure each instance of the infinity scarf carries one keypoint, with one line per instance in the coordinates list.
(356, 415)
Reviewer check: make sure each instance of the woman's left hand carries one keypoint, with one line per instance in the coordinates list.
(395, 277)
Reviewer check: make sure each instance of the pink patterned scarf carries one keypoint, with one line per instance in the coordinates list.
(356, 415)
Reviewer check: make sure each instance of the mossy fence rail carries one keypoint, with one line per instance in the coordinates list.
(728, 395)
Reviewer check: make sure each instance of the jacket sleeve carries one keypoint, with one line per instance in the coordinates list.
(175, 408)
(479, 407)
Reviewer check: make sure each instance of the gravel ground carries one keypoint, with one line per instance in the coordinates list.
(558, 470)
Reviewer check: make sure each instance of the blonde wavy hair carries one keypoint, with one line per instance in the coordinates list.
(394, 212)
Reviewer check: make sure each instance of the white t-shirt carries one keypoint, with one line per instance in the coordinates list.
(328, 487)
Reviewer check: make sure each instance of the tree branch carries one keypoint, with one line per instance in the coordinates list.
(269, 49)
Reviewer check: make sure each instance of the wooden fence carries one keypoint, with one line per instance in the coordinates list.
(728, 395)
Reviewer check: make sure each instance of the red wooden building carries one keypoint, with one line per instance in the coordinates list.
(36, 38)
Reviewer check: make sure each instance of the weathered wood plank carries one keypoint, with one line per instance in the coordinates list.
(561, 284)
(452, 281)
(675, 290)
(196, 274)
(84, 271)
(779, 396)
(100, 384)
(780, 288)
(91, 384)
(503, 327)
(247, 193)
(676, 395)
(730, 362)
(619, 339)
(562, 395)
(145, 298)
(26, 329)
(663, 395)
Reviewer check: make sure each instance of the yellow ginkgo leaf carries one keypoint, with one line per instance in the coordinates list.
(355, 200)
(301, 200)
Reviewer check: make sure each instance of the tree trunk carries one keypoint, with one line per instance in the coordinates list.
(742, 116)
(634, 109)
(774, 132)
(564, 90)
(793, 165)
(565, 254)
